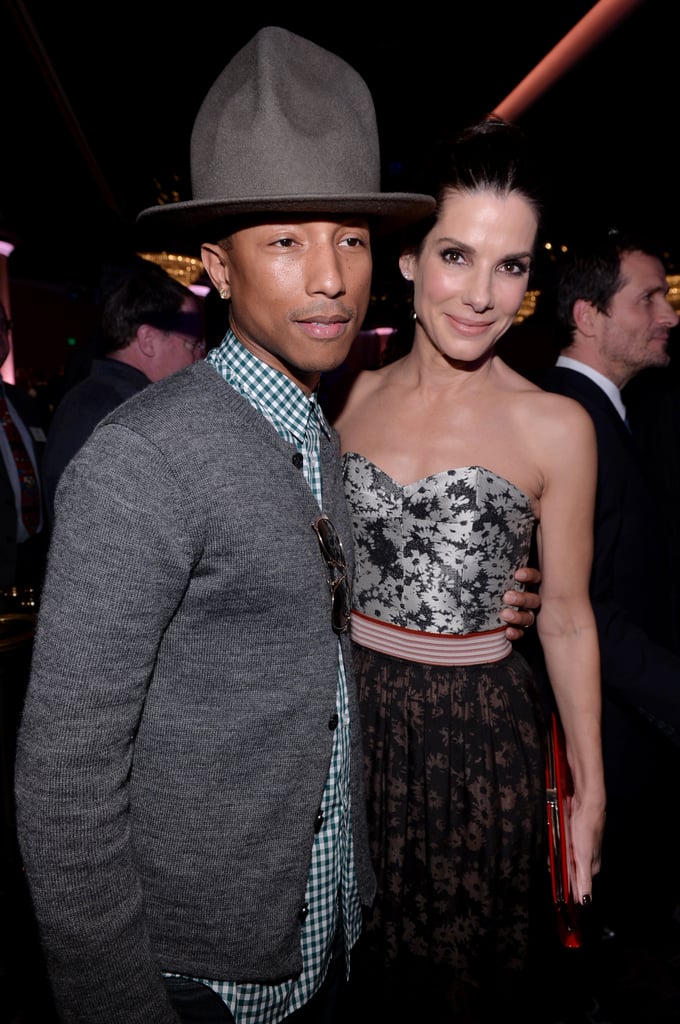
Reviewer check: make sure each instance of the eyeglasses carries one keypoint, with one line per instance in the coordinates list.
(194, 345)
(338, 580)
(197, 346)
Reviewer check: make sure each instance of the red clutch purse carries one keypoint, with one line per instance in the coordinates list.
(559, 789)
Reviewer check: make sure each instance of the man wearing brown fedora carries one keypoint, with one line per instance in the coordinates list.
(189, 791)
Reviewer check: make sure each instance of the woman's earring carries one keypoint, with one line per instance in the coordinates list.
(407, 276)
(223, 293)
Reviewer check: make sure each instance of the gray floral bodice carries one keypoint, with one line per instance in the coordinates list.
(436, 555)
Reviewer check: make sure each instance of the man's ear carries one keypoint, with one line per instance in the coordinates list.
(147, 340)
(585, 314)
(214, 260)
(406, 265)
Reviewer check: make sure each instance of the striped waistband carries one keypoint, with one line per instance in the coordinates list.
(430, 648)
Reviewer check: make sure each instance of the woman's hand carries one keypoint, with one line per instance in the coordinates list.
(586, 827)
(520, 606)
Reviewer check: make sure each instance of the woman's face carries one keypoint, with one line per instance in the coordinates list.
(472, 272)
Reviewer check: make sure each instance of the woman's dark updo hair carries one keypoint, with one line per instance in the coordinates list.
(491, 154)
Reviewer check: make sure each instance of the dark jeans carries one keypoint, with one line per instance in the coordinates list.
(198, 1004)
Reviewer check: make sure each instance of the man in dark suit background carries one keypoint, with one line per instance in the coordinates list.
(22, 546)
(612, 301)
(151, 326)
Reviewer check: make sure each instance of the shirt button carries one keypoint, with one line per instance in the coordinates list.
(318, 822)
(298, 460)
(333, 721)
(303, 913)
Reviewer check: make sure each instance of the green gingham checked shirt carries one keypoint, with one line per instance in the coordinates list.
(299, 420)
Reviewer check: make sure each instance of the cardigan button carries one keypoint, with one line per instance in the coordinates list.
(333, 721)
(303, 913)
(318, 822)
(298, 460)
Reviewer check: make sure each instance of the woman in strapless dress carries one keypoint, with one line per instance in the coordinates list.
(452, 462)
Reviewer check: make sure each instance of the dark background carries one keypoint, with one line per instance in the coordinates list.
(98, 103)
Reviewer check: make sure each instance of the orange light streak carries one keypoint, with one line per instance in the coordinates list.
(587, 32)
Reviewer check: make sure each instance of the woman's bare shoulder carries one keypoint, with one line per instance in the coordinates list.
(540, 401)
(560, 405)
(557, 417)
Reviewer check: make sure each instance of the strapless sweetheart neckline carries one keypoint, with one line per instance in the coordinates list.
(436, 476)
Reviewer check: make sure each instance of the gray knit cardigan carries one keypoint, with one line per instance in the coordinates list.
(177, 730)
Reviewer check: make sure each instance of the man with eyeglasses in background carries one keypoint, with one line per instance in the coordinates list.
(151, 326)
(189, 781)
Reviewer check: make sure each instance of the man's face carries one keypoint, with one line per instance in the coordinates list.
(634, 333)
(299, 291)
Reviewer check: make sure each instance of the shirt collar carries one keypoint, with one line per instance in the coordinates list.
(612, 392)
(265, 387)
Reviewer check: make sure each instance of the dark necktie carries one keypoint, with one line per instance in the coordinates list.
(30, 492)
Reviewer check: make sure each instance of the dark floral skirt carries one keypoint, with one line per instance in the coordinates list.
(456, 806)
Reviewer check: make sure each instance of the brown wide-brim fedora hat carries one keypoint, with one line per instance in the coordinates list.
(287, 127)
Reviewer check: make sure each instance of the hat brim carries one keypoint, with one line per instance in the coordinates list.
(388, 211)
